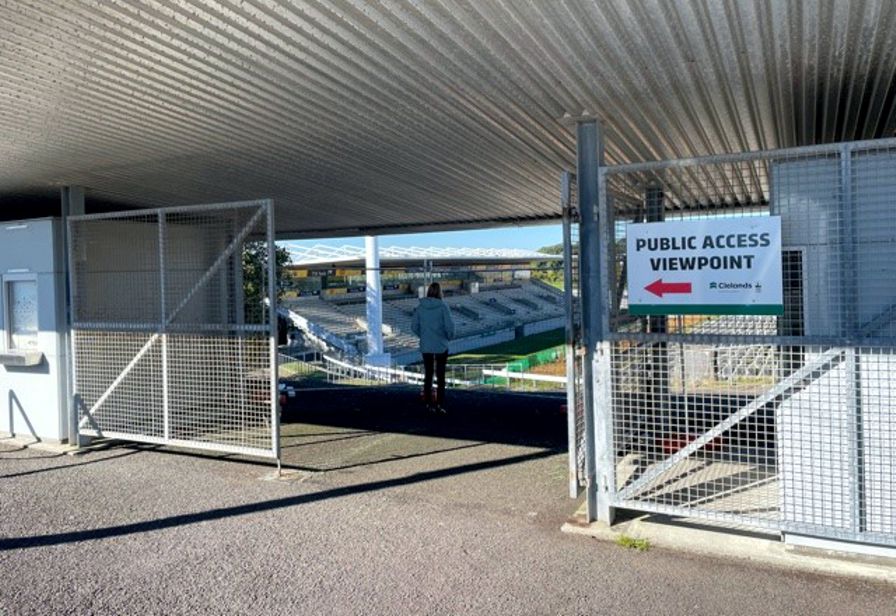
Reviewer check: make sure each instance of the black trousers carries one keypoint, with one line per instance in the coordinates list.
(439, 361)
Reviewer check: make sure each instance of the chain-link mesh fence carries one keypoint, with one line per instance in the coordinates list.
(782, 422)
(172, 327)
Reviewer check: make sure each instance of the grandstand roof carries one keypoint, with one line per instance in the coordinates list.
(321, 254)
(364, 117)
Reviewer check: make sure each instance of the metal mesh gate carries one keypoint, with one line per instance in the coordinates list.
(779, 422)
(575, 391)
(173, 336)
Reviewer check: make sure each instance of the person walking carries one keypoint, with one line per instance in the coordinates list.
(433, 324)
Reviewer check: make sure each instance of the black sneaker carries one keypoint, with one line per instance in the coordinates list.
(439, 409)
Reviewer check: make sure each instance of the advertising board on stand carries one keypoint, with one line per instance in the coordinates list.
(706, 266)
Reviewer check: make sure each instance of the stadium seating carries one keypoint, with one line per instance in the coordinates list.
(475, 315)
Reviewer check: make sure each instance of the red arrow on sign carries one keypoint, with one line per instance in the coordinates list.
(658, 287)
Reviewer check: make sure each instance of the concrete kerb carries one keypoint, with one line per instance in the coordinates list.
(22, 442)
(88, 445)
(699, 537)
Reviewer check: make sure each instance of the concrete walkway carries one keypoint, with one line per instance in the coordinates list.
(381, 511)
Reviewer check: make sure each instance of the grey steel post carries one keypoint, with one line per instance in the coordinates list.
(72, 204)
(849, 314)
(272, 321)
(163, 321)
(605, 458)
(569, 297)
(589, 157)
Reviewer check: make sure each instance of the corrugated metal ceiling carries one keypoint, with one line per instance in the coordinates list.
(398, 114)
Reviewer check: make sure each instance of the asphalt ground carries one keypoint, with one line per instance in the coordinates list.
(382, 510)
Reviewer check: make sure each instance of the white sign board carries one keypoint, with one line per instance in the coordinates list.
(708, 266)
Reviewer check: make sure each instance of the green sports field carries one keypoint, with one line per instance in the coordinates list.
(512, 350)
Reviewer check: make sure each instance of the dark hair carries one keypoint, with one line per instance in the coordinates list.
(434, 290)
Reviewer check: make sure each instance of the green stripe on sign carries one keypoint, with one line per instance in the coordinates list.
(773, 309)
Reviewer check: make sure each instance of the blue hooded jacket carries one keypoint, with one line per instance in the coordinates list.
(433, 324)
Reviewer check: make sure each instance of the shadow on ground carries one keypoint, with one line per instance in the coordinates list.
(337, 429)
(491, 417)
(172, 521)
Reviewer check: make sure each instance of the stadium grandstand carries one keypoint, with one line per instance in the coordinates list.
(495, 295)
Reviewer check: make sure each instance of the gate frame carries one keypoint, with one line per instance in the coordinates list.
(265, 207)
(570, 217)
(604, 497)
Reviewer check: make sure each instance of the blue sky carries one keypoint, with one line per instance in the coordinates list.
(530, 237)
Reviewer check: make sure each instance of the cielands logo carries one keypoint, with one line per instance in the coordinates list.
(732, 286)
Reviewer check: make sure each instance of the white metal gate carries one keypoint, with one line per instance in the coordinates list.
(778, 422)
(173, 317)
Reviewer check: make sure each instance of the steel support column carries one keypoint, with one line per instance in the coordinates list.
(589, 158)
(72, 204)
(375, 353)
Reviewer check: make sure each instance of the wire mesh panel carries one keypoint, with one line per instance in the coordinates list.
(780, 422)
(173, 331)
(659, 422)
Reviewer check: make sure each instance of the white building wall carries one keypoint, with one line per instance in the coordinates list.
(32, 398)
(806, 194)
